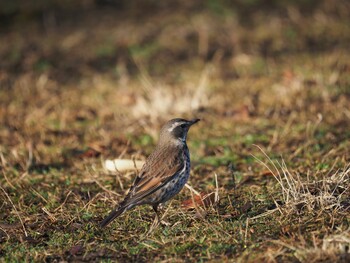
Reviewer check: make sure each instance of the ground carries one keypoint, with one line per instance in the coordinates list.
(95, 80)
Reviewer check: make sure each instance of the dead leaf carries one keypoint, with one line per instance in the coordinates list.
(76, 250)
(88, 153)
(288, 75)
(240, 113)
(204, 200)
(266, 173)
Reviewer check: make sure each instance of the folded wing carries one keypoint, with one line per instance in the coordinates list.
(155, 173)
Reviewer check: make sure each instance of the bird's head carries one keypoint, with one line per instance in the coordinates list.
(176, 129)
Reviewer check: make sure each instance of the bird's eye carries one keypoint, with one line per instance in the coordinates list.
(183, 125)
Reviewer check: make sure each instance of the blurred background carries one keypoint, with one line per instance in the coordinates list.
(114, 65)
(118, 58)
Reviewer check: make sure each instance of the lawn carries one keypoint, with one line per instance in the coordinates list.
(92, 81)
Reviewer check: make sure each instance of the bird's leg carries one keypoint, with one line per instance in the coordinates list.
(156, 219)
(162, 222)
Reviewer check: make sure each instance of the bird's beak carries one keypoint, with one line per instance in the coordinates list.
(191, 122)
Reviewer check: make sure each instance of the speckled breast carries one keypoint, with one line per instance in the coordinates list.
(174, 186)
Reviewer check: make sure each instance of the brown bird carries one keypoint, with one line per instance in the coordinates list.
(164, 174)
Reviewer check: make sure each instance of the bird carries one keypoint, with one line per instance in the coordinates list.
(164, 173)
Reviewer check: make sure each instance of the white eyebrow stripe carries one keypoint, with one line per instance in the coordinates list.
(174, 125)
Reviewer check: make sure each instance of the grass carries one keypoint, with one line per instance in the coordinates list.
(270, 83)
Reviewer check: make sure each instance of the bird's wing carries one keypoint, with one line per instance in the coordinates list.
(160, 167)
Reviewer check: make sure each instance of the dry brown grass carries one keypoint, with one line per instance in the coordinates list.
(314, 192)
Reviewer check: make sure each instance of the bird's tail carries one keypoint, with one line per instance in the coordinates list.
(112, 215)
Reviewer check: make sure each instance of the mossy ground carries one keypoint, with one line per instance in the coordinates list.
(80, 84)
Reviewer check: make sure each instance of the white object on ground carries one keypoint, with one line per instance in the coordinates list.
(122, 165)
